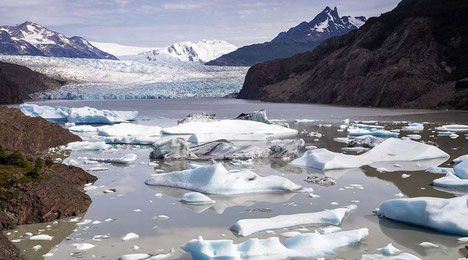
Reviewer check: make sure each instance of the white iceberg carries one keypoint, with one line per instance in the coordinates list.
(196, 198)
(83, 128)
(215, 179)
(461, 158)
(131, 139)
(376, 133)
(444, 215)
(41, 237)
(391, 150)
(130, 236)
(126, 159)
(451, 181)
(439, 170)
(80, 247)
(87, 146)
(129, 129)
(389, 250)
(413, 127)
(246, 227)
(428, 245)
(82, 115)
(303, 245)
(453, 128)
(232, 130)
(368, 127)
(461, 169)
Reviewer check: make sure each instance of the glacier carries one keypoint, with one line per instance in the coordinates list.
(126, 79)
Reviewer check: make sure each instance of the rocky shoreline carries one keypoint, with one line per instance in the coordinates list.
(56, 193)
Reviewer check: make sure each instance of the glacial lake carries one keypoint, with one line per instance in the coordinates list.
(135, 207)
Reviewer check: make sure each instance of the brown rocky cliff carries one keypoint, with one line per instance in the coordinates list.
(17, 82)
(31, 136)
(414, 56)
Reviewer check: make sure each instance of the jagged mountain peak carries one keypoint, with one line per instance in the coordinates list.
(30, 38)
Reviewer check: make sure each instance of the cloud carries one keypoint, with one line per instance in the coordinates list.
(180, 6)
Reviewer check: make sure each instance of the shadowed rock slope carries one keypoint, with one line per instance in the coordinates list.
(415, 56)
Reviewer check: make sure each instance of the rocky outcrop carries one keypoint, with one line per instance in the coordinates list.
(17, 82)
(25, 199)
(301, 38)
(29, 135)
(414, 56)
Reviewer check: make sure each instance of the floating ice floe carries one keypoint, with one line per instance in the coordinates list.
(444, 215)
(413, 127)
(126, 129)
(232, 130)
(147, 256)
(453, 128)
(131, 139)
(391, 150)
(460, 159)
(41, 237)
(126, 159)
(304, 245)
(376, 133)
(402, 256)
(196, 198)
(130, 236)
(414, 137)
(438, 170)
(368, 127)
(87, 146)
(215, 179)
(389, 250)
(176, 148)
(428, 245)
(80, 247)
(461, 169)
(246, 227)
(451, 181)
(82, 115)
(36, 247)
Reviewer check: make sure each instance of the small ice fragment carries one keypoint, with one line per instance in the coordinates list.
(158, 195)
(428, 245)
(36, 247)
(329, 229)
(41, 237)
(290, 234)
(404, 175)
(196, 198)
(162, 217)
(463, 239)
(130, 236)
(79, 247)
(389, 250)
(399, 195)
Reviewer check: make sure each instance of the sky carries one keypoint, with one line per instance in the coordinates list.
(159, 23)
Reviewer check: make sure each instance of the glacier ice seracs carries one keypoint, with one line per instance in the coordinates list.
(82, 115)
(299, 246)
(391, 150)
(443, 215)
(215, 179)
(246, 227)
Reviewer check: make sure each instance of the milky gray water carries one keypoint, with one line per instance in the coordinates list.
(134, 206)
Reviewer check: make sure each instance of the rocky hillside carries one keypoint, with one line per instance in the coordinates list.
(413, 56)
(33, 39)
(33, 189)
(301, 38)
(17, 82)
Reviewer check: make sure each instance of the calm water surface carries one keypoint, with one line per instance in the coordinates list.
(134, 206)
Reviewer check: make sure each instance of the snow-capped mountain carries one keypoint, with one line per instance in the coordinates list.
(326, 24)
(33, 39)
(202, 51)
(301, 38)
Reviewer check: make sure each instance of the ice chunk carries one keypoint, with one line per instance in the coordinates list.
(376, 133)
(176, 148)
(246, 227)
(389, 250)
(41, 237)
(83, 129)
(453, 128)
(444, 215)
(461, 158)
(82, 115)
(129, 129)
(451, 181)
(414, 137)
(36, 247)
(232, 130)
(413, 127)
(130, 236)
(197, 117)
(461, 169)
(131, 139)
(428, 245)
(438, 170)
(368, 127)
(196, 198)
(87, 146)
(259, 116)
(390, 150)
(126, 159)
(290, 234)
(299, 246)
(215, 179)
(79, 247)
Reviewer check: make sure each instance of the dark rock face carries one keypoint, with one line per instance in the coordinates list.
(31, 136)
(412, 57)
(302, 38)
(32, 39)
(17, 82)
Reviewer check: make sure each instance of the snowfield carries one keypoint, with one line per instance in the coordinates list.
(116, 79)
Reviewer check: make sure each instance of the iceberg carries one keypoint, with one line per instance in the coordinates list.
(129, 129)
(443, 215)
(389, 250)
(453, 128)
(391, 150)
(215, 179)
(451, 181)
(461, 169)
(413, 127)
(87, 146)
(368, 127)
(246, 227)
(82, 115)
(176, 148)
(232, 130)
(126, 159)
(460, 159)
(299, 246)
(131, 139)
(196, 198)
(259, 116)
(376, 133)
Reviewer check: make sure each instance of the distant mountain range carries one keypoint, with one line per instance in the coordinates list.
(201, 51)
(33, 39)
(301, 38)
